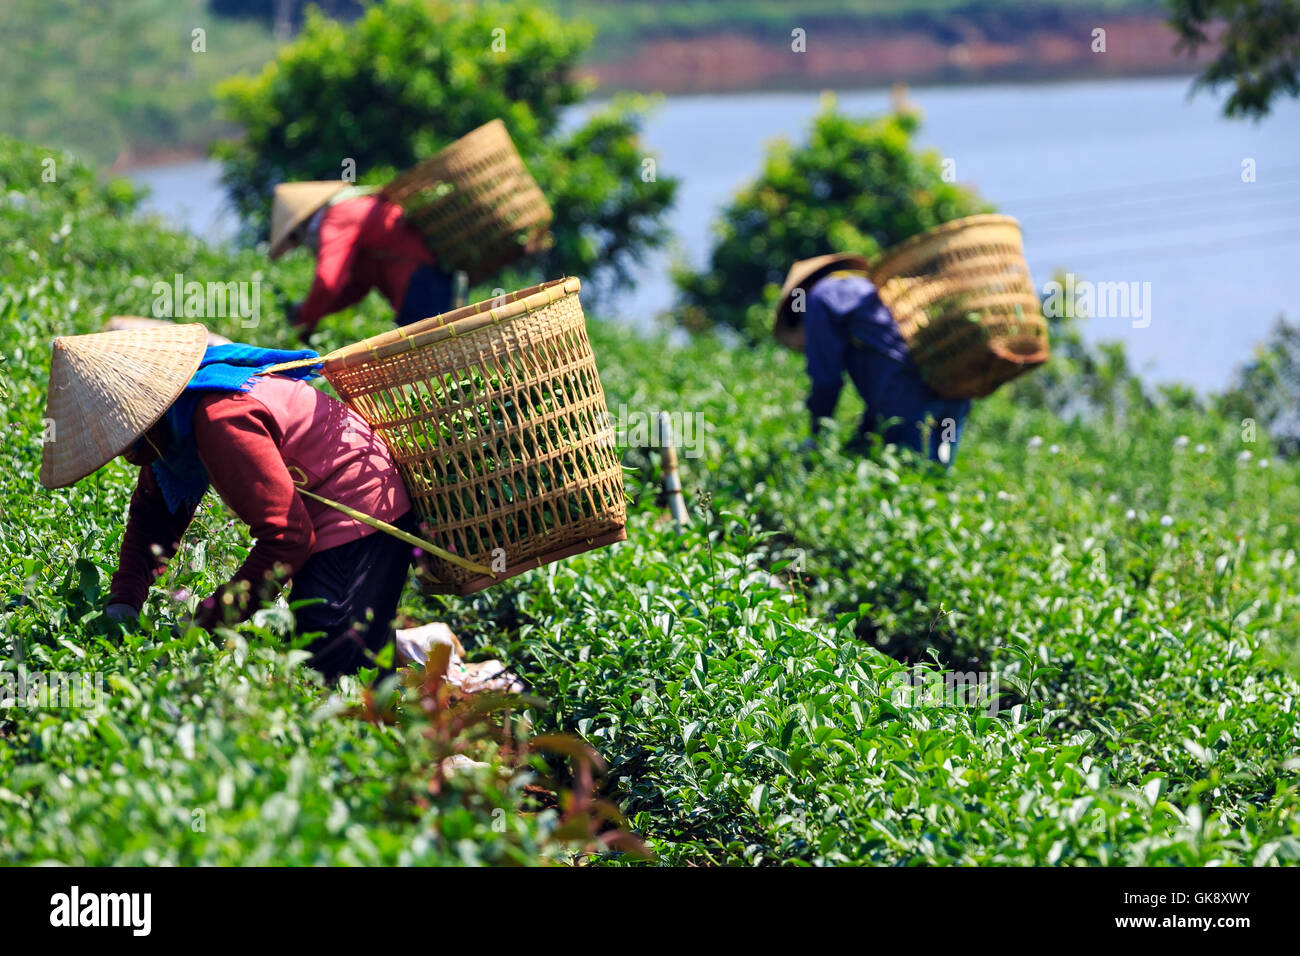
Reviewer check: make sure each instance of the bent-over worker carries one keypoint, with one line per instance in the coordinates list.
(361, 242)
(189, 416)
(830, 310)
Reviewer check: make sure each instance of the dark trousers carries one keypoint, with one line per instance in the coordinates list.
(428, 293)
(354, 588)
(947, 418)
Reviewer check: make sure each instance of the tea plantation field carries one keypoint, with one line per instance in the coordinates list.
(1127, 576)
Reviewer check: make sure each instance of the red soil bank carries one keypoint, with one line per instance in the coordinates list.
(862, 55)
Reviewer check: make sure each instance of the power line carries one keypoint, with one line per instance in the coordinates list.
(1187, 251)
(1145, 189)
(1232, 192)
(1155, 223)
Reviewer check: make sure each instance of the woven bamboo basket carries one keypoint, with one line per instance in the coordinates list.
(964, 303)
(496, 418)
(475, 202)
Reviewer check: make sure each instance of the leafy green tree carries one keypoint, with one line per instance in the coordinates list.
(411, 76)
(857, 185)
(1267, 389)
(1258, 48)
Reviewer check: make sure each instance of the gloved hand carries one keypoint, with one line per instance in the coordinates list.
(413, 643)
(122, 614)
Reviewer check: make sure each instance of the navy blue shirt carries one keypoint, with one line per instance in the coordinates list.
(848, 329)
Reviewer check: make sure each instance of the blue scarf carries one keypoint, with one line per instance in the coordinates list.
(224, 368)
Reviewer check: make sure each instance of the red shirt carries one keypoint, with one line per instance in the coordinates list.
(254, 445)
(365, 243)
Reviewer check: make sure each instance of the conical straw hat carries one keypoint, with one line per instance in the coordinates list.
(119, 323)
(789, 325)
(109, 388)
(294, 205)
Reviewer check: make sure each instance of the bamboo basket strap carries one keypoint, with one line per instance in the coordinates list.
(396, 532)
(290, 366)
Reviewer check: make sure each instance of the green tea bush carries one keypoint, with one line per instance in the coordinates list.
(207, 750)
(767, 687)
(1130, 582)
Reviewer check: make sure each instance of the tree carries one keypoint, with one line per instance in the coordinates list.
(411, 76)
(855, 186)
(1267, 389)
(1259, 48)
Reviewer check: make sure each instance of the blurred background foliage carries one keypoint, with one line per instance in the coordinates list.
(121, 80)
(391, 85)
(1257, 51)
(115, 80)
(855, 185)
(1267, 389)
(410, 77)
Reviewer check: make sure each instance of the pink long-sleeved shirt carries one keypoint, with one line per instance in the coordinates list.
(258, 447)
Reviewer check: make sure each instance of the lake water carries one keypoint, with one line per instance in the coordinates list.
(1117, 181)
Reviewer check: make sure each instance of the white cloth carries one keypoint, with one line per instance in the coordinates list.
(414, 644)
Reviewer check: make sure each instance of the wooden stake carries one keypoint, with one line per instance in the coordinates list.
(672, 481)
